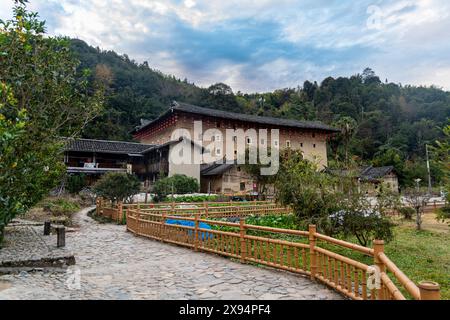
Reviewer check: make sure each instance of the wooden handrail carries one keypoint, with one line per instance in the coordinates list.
(391, 287)
(401, 277)
(342, 243)
(277, 230)
(337, 256)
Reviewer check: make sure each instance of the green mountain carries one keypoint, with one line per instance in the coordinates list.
(386, 123)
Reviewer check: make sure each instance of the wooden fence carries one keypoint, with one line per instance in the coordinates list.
(239, 241)
(228, 209)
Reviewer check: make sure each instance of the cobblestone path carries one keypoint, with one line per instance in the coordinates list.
(114, 264)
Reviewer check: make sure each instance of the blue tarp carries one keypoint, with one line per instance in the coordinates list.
(201, 225)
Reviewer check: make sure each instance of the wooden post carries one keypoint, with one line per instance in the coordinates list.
(312, 254)
(61, 236)
(163, 226)
(138, 217)
(378, 247)
(47, 226)
(242, 239)
(126, 218)
(196, 234)
(119, 212)
(429, 290)
(205, 205)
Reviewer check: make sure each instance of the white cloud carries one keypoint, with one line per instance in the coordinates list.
(316, 38)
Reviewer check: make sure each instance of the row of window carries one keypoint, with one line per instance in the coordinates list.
(250, 141)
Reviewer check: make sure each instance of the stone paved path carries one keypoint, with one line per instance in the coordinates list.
(115, 264)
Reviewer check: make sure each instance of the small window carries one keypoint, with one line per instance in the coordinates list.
(313, 135)
(275, 143)
(235, 152)
(218, 151)
(213, 138)
(242, 186)
(249, 140)
(235, 138)
(217, 124)
(217, 137)
(314, 145)
(288, 143)
(301, 144)
(263, 142)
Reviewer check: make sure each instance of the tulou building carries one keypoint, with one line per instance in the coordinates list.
(215, 134)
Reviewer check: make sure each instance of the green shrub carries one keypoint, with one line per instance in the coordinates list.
(192, 198)
(177, 184)
(75, 183)
(407, 212)
(60, 206)
(117, 186)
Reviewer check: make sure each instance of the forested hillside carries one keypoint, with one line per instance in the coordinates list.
(383, 123)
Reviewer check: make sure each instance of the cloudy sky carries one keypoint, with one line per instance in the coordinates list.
(261, 45)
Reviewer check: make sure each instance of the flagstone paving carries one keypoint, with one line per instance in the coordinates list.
(114, 264)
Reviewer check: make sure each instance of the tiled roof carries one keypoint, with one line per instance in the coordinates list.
(366, 173)
(213, 169)
(371, 173)
(189, 108)
(106, 146)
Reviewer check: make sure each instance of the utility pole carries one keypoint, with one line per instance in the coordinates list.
(428, 169)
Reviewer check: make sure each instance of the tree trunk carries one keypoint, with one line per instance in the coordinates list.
(418, 219)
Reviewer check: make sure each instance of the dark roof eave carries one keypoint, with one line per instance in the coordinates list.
(183, 107)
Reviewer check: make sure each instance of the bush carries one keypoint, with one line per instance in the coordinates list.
(75, 183)
(117, 186)
(177, 184)
(60, 206)
(407, 212)
(193, 198)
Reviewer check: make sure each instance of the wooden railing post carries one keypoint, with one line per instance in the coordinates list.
(119, 212)
(242, 233)
(206, 209)
(378, 247)
(196, 234)
(163, 226)
(312, 253)
(138, 217)
(429, 290)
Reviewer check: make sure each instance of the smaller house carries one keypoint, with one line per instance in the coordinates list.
(225, 178)
(379, 176)
(96, 157)
(371, 178)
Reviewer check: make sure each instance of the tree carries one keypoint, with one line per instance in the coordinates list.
(117, 186)
(309, 193)
(348, 126)
(254, 170)
(417, 200)
(42, 98)
(441, 155)
(176, 184)
(334, 203)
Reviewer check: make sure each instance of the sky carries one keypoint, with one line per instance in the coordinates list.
(262, 45)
